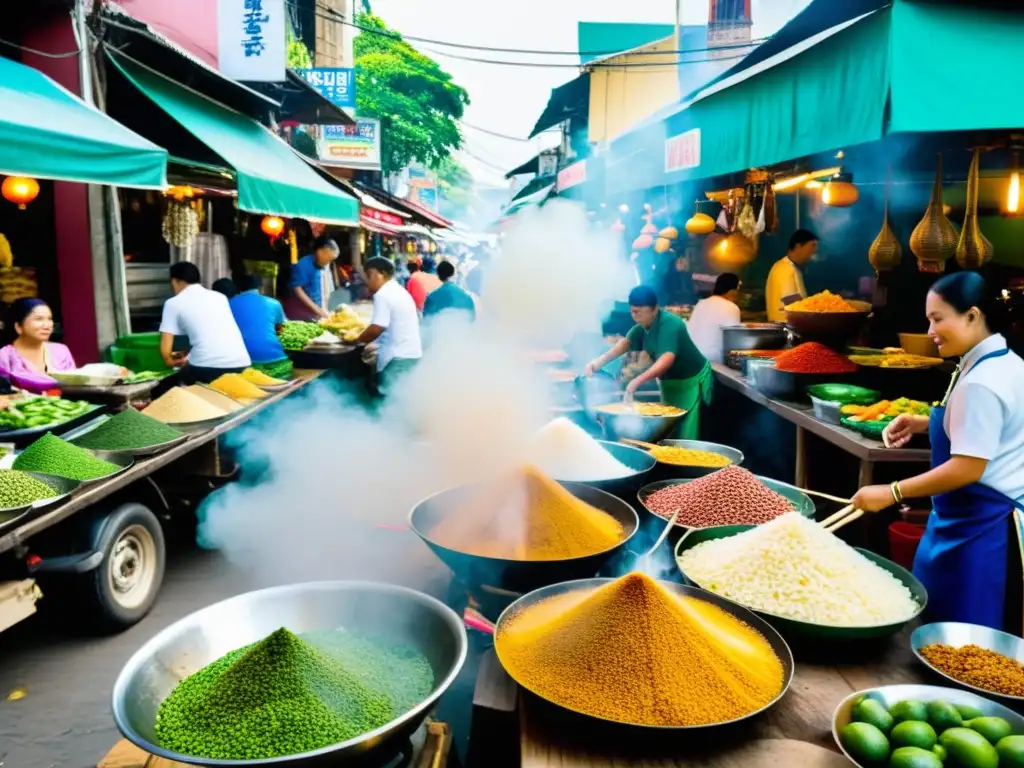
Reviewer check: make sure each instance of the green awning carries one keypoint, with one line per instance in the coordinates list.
(48, 133)
(272, 178)
(567, 101)
(535, 198)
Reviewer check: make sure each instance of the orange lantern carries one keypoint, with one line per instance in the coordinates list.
(662, 245)
(700, 224)
(272, 226)
(643, 242)
(20, 190)
(840, 191)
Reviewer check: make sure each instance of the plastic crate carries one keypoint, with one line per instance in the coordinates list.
(827, 411)
(137, 360)
(139, 341)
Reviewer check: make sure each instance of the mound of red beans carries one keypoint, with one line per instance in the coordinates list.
(730, 496)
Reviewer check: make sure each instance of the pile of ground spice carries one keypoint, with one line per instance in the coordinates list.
(730, 496)
(127, 430)
(527, 517)
(977, 666)
(633, 652)
(813, 357)
(179, 406)
(53, 456)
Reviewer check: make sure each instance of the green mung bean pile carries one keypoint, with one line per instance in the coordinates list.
(284, 695)
(18, 489)
(127, 430)
(53, 456)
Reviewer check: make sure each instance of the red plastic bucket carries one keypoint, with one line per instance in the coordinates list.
(904, 539)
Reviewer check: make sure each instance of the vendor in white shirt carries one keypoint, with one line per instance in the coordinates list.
(216, 344)
(714, 313)
(395, 324)
(977, 475)
(786, 277)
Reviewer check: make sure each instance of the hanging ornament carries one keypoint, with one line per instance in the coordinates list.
(272, 227)
(700, 224)
(618, 226)
(933, 241)
(643, 242)
(20, 190)
(648, 228)
(840, 191)
(746, 223)
(973, 250)
(885, 253)
(669, 233)
(662, 245)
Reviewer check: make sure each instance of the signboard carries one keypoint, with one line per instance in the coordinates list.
(682, 152)
(571, 176)
(352, 146)
(383, 217)
(427, 197)
(336, 84)
(547, 164)
(250, 40)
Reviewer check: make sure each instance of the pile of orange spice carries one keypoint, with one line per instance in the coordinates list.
(826, 301)
(977, 666)
(632, 651)
(527, 516)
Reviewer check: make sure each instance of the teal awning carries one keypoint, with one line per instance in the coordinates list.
(534, 198)
(272, 178)
(48, 133)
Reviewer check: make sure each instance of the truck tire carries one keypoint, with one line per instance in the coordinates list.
(121, 591)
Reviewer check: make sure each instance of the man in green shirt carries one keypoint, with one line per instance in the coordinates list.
(683, 373)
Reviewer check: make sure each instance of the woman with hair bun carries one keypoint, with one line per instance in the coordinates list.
(976, 478)
(30, 356)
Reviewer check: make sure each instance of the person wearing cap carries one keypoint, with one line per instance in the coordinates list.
(786, 278)
(683, 373)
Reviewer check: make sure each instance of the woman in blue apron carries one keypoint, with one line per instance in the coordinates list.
(976, 478)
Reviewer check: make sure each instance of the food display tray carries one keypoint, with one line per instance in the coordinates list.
(64, 486)
(872, 429)
(22, 437)
(148, 450)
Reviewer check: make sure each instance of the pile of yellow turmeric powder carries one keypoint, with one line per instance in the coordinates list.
(631, 651)
(527, 516)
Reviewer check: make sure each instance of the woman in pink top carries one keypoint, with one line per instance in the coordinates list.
(422, 281)
(32, 355)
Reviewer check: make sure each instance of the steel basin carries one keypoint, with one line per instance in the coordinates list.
(958, 634)
(406, 616)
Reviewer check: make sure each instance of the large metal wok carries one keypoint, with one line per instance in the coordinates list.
(774, 639)
(407, 617)
(518, 576)
(637, 459)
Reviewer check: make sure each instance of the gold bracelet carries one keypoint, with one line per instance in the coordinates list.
(897, 494)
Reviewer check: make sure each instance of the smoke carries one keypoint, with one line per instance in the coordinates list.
(324, 479)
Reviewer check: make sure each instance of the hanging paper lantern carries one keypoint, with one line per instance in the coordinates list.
(729, 253)
(20, 190)
(643, 242)
(700, 224)
(272, 226)
(840, 191)
(662, 245)
(669, 233)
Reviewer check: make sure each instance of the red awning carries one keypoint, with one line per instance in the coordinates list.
(378, 227)
(436, 219)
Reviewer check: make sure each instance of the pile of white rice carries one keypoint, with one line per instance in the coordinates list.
(563, 450)
(792, 567)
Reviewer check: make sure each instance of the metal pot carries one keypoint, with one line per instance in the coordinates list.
(749, 336)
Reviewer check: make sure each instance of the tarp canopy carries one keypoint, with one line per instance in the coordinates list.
(272, 178)
(530, 166)
(534, 198)
(48, 133)
(568, 100)
(853, 83)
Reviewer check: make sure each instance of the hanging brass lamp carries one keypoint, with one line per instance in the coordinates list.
(974, 249)
(933, 241)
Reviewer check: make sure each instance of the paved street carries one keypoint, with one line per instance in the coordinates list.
(64, 720)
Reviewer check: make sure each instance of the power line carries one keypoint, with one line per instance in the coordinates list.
(44, 54)
(332, 15)
(500, 135)
(542, 65)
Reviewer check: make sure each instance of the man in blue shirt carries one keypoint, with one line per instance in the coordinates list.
(259, 318)
(449, 295)
(312, 281)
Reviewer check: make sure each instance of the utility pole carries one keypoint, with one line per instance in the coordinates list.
(679, 25)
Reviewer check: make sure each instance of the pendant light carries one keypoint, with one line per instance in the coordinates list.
(272, 226)
(20, 190)
(840, 191)
(1012, 207)
(699, 223)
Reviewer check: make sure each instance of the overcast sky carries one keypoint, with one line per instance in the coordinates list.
(509, 99)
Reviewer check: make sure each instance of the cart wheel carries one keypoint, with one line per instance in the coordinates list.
(124, 586)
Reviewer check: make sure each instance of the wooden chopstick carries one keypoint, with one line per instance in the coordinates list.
(838, 515)
(855, 515)
(637, 443)
(819, 494)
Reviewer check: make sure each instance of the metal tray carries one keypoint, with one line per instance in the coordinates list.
(123, 460)
(64, 487)
(958, 635)
(148, 450)
(665, 471)
(196, 427)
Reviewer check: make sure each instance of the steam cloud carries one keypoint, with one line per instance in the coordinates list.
(320, 474)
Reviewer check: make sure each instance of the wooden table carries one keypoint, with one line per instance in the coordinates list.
(795, 732)
(868, 452)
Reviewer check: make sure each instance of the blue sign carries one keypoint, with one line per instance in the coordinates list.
(428, 197)
(336, 84)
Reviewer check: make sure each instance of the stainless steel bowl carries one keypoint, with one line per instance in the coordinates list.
(671, 471)
(633, 426)
(748, 336)
(62, 488)
(889, 695)
(958, 634)
(408, 617)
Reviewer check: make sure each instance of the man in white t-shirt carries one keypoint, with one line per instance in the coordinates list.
(395, 324)
(714, 313)
(205, 317)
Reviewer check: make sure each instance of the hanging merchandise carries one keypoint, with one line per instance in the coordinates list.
(669, 233)
(648, 228)
(699, 223)
(840, 191)
(662, 245)
(20, 190)
(770, 209)
(974, 249)
(885, 253)
(272, 227)
(762, 221)
(293, 246)
(643, 242)
(618, 226)
(933, 241)
(746, 222)
(181, 223)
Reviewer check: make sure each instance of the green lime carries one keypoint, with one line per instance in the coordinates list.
(1011, 752)
(913, 733)
(871, 711)
(943, 715)
(913, 757)
(909, 710)
(967, 712)
(992, 728)
(865, 743)
(940, 752)
(968, 749)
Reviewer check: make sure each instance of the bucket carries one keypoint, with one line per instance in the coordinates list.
(904, 539)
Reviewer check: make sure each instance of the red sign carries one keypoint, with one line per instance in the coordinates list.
(682, 152)
(382, 216)
(571, 176)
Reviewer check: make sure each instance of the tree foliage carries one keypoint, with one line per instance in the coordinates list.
(418, 104)
(455, 184)
(298, 54)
